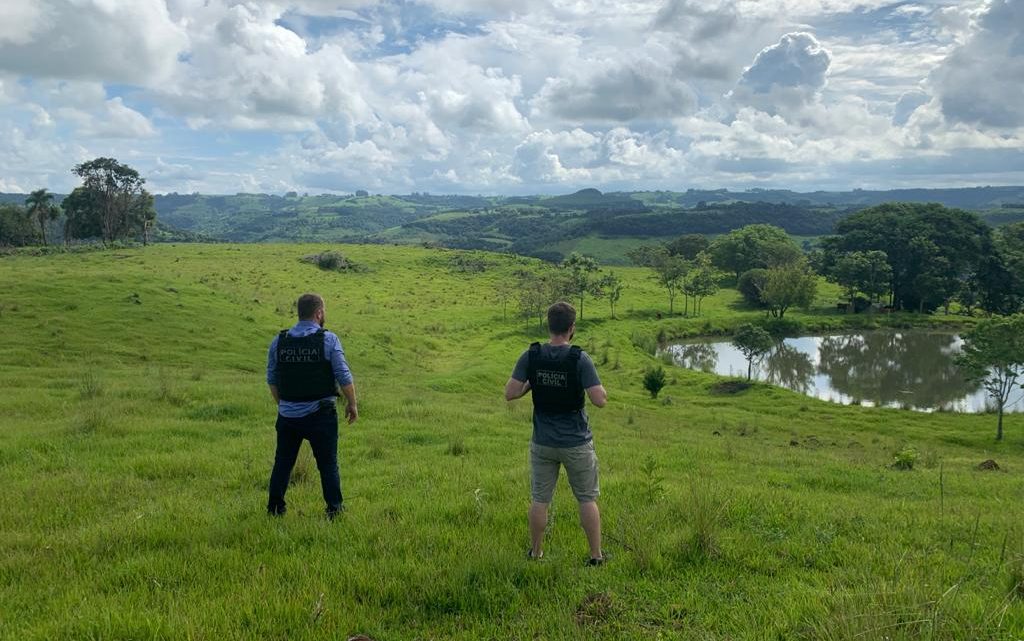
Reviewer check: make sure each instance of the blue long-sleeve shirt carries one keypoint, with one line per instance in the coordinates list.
(332, 347)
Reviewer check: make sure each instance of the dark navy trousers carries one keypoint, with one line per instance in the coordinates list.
(321, 430)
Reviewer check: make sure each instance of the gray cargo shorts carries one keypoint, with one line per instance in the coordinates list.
(580, 466)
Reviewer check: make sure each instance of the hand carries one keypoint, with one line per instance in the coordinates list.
(351, 413)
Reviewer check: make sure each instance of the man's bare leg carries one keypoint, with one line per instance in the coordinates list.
(538, 522)
(590, 519)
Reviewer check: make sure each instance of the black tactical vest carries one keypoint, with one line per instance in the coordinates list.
(555, 382)
(304, 368)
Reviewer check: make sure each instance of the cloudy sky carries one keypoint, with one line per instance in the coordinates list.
(513, 96)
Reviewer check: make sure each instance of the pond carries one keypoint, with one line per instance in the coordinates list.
(910, 370)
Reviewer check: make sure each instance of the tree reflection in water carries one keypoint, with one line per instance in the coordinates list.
(700, 356)
(788, 367)
(912, 369)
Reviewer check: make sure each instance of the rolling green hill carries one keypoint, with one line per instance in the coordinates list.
(136, 438)
(549, 227)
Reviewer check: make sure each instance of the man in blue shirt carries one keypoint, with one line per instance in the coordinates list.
(305, 369)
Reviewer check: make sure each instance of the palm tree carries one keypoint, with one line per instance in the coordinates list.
(40, 207)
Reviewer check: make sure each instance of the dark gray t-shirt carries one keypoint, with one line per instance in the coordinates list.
(569, 429)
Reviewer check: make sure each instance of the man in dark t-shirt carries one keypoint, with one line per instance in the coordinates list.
(560, 377)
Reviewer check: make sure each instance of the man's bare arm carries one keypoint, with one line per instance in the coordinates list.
(516, 389)
(273, 392)
(352, 411)
(598, 395)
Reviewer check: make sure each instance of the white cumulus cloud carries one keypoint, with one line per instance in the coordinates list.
(785, 75)
(131, 41)
(981, 81)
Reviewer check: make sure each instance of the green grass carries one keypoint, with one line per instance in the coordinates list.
(136, 438)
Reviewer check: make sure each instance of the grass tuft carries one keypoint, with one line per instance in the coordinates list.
(456, 447)
(90, 387)
(706, 510)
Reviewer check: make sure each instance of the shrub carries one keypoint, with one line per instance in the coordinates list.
(332, 261)
(905, 458)
(750, 285)
(707, 511)
(644, 342)
(654, 380)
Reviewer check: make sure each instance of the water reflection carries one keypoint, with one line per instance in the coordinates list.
(914, 370)
(700, 356)
(786, 366)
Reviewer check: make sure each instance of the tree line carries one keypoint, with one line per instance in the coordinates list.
(894, 257)
(111, 204)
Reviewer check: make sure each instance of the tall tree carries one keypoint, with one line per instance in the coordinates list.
(583, 272)
(143, 215)
(611, 287)
(914, 237)
(701, 281)
(793, 285)
(117, 194)
(866, 272)
(753, 246)
(670, 273)
(993, 355)
(539, 289)
(40, 207)
(81, 215)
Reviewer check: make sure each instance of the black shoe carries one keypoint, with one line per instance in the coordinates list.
(276, 511)
(530, 557)
(593, 563)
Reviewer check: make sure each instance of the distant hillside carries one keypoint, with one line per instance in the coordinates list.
(603, 224)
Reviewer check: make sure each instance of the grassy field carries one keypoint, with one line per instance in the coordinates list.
(136, 438)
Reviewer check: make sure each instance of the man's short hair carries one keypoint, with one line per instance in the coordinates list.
(308, 305)
(561, 316)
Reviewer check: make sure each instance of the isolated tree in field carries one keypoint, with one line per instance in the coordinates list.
(40, 207)
(531, 297)
(505, 293)
(117, 194)
(701, 281)
(583, 279)
(754, 342)
(669, 271)
(993, 355)
(753, 246)
(654, 380)
(611, 287)
(535, 291)
(793, 285)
